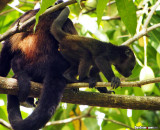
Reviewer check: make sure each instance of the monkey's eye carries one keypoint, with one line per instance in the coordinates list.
(127, 52)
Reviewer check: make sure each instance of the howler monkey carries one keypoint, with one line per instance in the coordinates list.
(35, 57)
(83, 52)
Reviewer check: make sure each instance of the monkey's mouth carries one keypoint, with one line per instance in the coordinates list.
(125, 73)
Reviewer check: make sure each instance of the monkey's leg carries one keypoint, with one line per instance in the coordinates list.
(71, 73)
(84, 67)
(94, 78)
(22, 78)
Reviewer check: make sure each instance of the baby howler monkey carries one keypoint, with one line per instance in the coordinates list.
(83, 52)
(35, 57)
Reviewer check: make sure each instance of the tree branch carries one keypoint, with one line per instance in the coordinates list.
(114, 121)
(9, 86)
(145, 30)
(140, 34)
(70, 119)
(113, 101)
(151, 14)
(107, 18)
(87, 115)
(30, 21)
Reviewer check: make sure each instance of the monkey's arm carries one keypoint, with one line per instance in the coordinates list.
(95, 77)
(106, 69)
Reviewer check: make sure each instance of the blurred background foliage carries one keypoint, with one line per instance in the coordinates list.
(113, 21)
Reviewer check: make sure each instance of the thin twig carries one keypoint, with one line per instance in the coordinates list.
(5, 124)
(150, 14)
(10, 10)
(87, 115)
(140, 34)
(113, 121)
(29, 2)
(107, 18)
(123, 84)
(145, 30)
(11, 84)
(70, 119)
(93, 9)
(14, 7)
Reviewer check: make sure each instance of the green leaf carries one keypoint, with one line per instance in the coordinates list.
(91, 124)
(136, 115)
(127, 11)
(78, 1)
(158, 59)
(155, 39)
(113, 126)
(156, 91)
(45, 4)
(138, 91)
(100, 8)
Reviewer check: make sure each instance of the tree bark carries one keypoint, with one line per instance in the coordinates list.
(9, 86)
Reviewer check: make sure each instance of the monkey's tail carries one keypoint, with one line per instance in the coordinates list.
(56, 27)
(50, 98)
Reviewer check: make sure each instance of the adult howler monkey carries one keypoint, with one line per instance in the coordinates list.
(35, 57)
(83, 52)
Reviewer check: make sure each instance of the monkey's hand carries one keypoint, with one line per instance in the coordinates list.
(115, 82)
(92, 82)
(70, 78)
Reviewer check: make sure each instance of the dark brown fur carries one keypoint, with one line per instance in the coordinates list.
(84, 53)
(35, 57)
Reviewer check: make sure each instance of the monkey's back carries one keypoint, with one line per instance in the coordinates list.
(77, 45)
(41, 42)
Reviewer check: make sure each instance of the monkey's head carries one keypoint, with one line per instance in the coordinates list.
(126, 61)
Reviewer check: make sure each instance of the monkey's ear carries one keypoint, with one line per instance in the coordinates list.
(128, 52)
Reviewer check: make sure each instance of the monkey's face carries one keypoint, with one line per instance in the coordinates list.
(126, 65)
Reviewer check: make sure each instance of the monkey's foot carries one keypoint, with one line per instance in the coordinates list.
(104, 90)
(75, 90)
(110, 92)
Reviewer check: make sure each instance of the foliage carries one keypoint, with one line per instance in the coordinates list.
(127, 11)
(115, 31)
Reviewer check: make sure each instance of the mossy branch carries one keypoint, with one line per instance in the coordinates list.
(9, 86)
